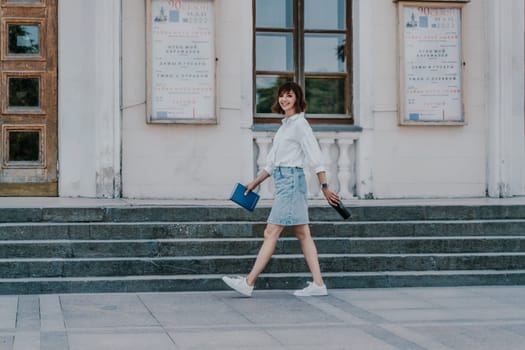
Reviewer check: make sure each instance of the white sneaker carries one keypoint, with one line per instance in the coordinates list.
(312, 290)
(239, 284)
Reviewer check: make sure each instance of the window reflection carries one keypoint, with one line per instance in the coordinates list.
(24, 92)
(266, 91)
(24, 146)
(274, 14)
(23, 39)
(326, 14)
(274, 52)
(325, 96)
(323, 53)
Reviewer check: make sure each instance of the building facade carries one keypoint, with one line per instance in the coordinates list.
(93, 136)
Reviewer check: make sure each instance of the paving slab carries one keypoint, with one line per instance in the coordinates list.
(191, 310)
(120, 341)
(479, 337)
(6, 342)
(105, 310)
(225, 339)
(8, 307)
(396, 318)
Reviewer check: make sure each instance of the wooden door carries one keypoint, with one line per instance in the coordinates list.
(28, 106)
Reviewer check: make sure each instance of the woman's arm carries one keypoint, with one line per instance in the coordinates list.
(330, 196)
(263, 175)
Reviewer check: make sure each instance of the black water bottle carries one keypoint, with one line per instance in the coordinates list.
(340, 208)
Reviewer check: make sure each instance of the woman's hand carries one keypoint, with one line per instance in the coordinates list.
(250, 187)
(331, 197)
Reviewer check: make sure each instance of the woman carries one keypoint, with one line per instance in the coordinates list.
(294, 146)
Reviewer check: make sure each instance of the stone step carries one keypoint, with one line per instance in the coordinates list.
(24, 268)
(232, 246)
(286, 281)
(243, 229)
(368, 212)
(171, 248)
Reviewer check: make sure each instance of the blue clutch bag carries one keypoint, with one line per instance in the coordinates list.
(247, 202)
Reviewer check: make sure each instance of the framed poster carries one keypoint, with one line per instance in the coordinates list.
(181, 61)
(431, 63)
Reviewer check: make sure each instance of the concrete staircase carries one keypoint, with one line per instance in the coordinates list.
(181, 248)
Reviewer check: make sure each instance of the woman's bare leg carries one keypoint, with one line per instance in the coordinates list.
(272, 233)
(302, 232)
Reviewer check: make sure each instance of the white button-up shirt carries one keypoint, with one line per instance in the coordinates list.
(295, 145)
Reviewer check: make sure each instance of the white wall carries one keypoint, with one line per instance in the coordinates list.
(188, 161)
(102, 110)
(419, 161)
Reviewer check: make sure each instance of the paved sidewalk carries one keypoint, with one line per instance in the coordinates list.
(405, 318)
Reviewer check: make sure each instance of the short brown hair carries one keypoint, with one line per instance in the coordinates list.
(300, 103)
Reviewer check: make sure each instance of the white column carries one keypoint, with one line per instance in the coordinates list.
(264, 144)
(246, 81)
(344, 168)
(76, 105)
(364, 96)
(517, 147)
(89, 98)
(107, 111)
(505, 99)
(326, 143)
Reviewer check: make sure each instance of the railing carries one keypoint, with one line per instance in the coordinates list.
(338, 148)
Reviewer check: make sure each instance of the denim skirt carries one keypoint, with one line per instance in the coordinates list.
(290, 205)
